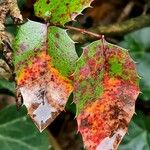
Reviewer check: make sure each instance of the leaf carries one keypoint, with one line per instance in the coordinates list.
(21, 3)
(62, 50)
(138, 43)
(18, 132)
(105, 90)
(5, 84)
(139, 134)
(44, 84)
(144, 71)
(60, 12)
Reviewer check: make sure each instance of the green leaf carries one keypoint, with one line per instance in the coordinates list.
(70, 106)
(5, 84)
(62, 50)
(21, 3)
(60, 12)
(138, 43)
(138, 137)
(144, 71)
(18, 133)
(106, 86)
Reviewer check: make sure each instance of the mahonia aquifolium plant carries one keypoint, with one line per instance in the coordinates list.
(103, 79)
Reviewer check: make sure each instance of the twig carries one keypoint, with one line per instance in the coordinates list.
(116, 29)
(83, 31)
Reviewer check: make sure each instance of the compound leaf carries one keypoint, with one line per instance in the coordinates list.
(106, 86)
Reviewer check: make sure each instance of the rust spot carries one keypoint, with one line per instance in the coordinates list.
(47, 1)
(33, 115)
(115, 112)
(56, 44)
(117, 141)
(84, 123)
(57, 35)
(42, 73)
(123, 123)
(67, 4)
(52, 78)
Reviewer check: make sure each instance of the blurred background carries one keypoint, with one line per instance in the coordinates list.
(123, 22)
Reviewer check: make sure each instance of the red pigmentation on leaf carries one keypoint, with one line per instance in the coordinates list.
(105, 96)
(43, 70)
(44, 90)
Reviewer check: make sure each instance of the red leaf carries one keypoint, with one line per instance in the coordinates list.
(106, 87)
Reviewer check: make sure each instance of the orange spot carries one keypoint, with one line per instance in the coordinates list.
(113, 81)
(40, 65)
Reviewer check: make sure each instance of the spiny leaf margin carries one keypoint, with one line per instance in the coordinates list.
(107, 75)
(38, 73)
(60, 12)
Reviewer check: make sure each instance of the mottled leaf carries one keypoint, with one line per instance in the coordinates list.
(60, 12)
(17, 131)
(105, 90)
(44, 84)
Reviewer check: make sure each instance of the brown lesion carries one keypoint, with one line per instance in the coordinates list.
(116, 119)
(33, 107)
(41, 93)
(43, 125)
(85, 123)
(47, 1)
(117, 141)
(19, 99)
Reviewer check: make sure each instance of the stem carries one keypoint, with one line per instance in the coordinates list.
(83, 31)
(116, 29)
(53, 142)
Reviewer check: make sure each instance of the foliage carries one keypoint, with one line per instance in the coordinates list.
(105, 90)
(138, 43)
(139, 134)
(60, 12)
(103, 79)
(18, 132)
(5, 84)
(37, 72)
